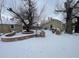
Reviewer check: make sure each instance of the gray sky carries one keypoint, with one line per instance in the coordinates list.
(49, 9)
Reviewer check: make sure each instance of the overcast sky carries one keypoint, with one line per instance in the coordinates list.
(49, 9)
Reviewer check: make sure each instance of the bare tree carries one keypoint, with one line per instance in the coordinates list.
(1, 6)
(28, 12)
(70, 6)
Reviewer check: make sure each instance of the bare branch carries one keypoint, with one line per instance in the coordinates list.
(76, 4)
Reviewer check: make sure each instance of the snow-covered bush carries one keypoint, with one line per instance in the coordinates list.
(10, 34)
(25, 32)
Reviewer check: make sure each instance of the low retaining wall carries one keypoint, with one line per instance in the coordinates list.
(16, 37)
(20, 36)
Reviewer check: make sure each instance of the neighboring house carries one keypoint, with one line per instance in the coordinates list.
(10, 24)
(55, 24)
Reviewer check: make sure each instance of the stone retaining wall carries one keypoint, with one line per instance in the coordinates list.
(16, 38)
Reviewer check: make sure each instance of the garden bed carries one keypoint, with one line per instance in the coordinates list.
(21, 36)
(17, 36)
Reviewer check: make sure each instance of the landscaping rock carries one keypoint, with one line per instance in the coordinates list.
(58, 32)
(7, 40)
(42, 34)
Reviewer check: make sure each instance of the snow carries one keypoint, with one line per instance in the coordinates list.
(52, 45)
(17, 35)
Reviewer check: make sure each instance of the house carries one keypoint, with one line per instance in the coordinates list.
(10, 24)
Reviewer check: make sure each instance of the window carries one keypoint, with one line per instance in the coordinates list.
(12, 26)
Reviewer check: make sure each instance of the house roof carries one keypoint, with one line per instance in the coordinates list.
(6, 20)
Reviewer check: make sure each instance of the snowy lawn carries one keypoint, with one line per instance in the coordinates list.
(52, 45)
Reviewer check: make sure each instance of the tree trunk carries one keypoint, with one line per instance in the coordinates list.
(77, 26)
(69, 27)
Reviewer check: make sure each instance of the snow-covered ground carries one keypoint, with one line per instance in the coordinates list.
(52, 45)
